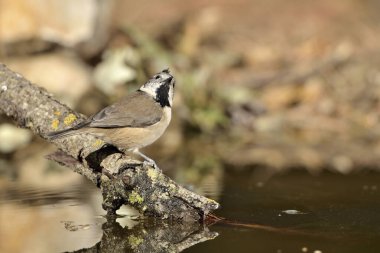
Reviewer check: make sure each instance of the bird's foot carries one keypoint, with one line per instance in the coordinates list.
(151, 163)
(147, 161)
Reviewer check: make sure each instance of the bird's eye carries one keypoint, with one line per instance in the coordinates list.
(157, 77)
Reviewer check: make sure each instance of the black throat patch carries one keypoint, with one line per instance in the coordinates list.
(162, 95)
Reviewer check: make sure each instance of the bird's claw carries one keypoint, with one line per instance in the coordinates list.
(151, 163)
(147, 161)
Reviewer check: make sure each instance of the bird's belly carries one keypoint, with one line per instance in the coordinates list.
(130, 138)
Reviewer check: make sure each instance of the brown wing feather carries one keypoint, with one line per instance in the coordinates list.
(136, 110)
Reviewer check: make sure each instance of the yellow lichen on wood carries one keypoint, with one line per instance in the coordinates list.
(69, 119)
(172, 188)
(134, 241)
(165, 195)
(153, 174)
(98, 143)
(55, 124)
(134, 197)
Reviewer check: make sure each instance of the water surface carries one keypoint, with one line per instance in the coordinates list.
(298, 213)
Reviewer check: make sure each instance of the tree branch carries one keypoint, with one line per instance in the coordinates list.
(121, 179)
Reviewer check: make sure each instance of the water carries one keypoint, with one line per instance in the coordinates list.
(335, 214)
(297, 213)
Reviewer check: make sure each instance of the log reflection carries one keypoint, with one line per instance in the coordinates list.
(150, 236)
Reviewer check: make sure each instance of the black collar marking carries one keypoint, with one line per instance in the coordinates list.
(162, 95)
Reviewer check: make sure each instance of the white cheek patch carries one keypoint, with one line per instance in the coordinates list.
(149, 91)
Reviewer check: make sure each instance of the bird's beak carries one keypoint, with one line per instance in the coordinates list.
(169, 80)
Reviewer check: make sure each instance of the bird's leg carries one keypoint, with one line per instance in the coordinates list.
(147, 159)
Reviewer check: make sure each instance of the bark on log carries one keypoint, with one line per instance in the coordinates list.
(121, 179)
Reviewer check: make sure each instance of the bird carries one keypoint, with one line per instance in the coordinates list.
(134, 122)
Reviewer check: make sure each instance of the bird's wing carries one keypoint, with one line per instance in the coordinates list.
(136, 110)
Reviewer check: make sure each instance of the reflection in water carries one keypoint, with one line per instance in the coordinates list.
(150, 236)
(43, 220)
(57, 220)
(329, 212)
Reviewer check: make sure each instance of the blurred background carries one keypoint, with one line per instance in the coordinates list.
(264, 89)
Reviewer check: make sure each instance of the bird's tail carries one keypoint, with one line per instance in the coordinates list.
(67, 132)
(60, 134)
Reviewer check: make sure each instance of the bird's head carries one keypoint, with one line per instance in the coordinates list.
(161, 88)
